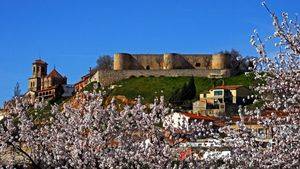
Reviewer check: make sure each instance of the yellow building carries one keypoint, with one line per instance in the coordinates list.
(219, 99)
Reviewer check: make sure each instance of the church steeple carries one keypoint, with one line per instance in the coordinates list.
(39, 68)
(39, 71)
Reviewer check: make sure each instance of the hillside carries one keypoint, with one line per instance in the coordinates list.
(149, 87)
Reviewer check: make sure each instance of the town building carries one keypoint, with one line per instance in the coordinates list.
(43, 85)
(222, 99)
(92, 76)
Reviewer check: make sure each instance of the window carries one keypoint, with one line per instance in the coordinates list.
(220, 100)
(33, 70)
(147, 67)
(218, 92)
(198, 65)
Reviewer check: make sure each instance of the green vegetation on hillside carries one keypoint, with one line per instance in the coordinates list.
(149, 87)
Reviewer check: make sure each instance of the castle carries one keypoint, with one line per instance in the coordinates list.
(43, 85)
(124, 61)
(157, 65)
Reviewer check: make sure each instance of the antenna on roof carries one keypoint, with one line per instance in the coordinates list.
(54, 67)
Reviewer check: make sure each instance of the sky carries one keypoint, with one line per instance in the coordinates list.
(71, 34)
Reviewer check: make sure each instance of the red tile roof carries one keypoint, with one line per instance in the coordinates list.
(217, 121)
(200, 117)
(228, 87)
(55, 74)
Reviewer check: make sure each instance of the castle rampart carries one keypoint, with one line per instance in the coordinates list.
(108, 77)
(168, 61)
(168, 64)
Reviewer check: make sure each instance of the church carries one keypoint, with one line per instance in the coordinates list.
(45, 86)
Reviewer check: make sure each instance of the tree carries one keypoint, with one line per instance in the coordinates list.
(186, 93)
(105, 62)
(190, 91)
(93, 136)
(237, 62)
(17, 90)
(279, 87)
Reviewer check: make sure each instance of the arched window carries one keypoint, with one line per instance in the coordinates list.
(33, 70)
(147, 67)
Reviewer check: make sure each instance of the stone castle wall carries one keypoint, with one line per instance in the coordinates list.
(168, 61)
(108, 77)
(169, 65)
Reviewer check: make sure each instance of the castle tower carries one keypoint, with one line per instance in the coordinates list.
(123, 61)
(219, 61)
(168, 61)
(39, 71)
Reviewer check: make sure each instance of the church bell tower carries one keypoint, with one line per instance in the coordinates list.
(39, 71)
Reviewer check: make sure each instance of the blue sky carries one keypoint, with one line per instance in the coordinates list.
(71, 34)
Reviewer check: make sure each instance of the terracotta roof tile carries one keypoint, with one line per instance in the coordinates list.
(54, 73)
(228, 87)
(200, 117)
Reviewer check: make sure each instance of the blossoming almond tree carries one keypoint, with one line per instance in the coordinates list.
(94, 136)
(279, 88)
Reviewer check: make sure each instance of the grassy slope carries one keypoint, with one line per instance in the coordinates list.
(149, 87)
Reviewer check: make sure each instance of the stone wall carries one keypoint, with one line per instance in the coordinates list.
(149, 61)
(125, 61)
(108, 77)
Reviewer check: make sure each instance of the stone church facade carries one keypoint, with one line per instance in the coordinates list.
(43, 85)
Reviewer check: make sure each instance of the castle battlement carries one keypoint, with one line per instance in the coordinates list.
(167, 61)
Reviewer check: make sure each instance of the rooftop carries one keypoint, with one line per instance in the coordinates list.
(54, 74)
(227, 87)
(39, 61)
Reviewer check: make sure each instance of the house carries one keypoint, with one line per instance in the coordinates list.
(222, 99)
(85, 80)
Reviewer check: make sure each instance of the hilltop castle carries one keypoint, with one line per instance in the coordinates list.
(124, 61)
(43, 85)
(157, 65)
